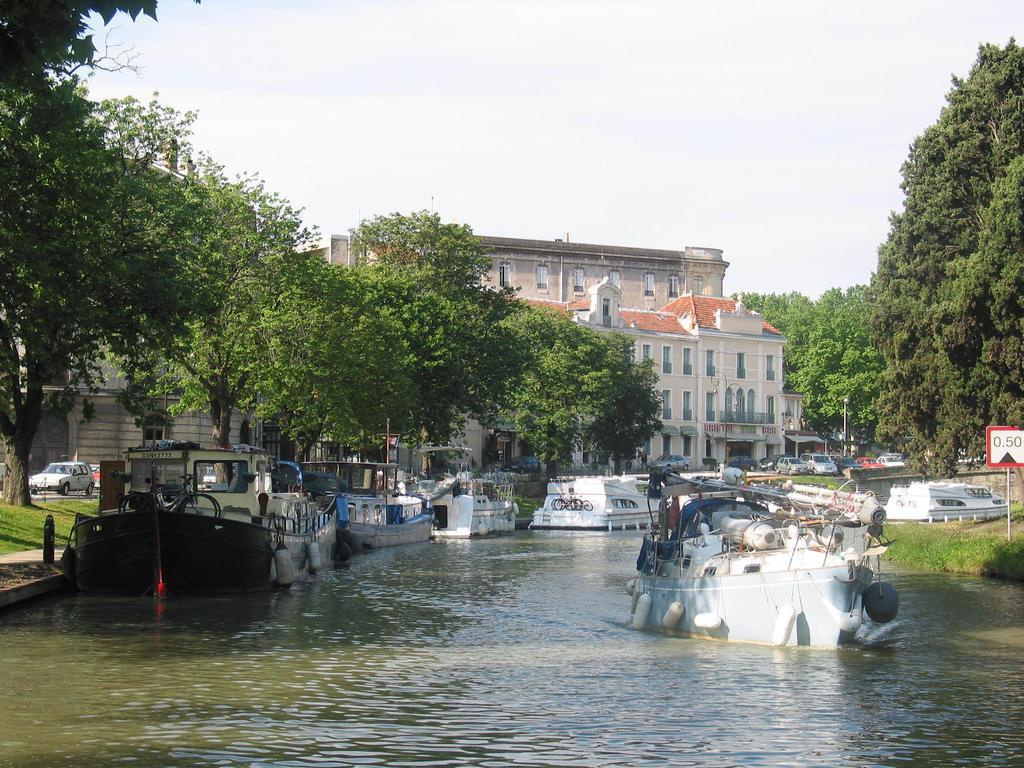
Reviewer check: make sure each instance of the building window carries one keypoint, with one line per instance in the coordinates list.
(709, 406)
(666, 359)
(615, 277)
(606, 313)
(769, 367)
(741, 404)
(666, 403)
(542, 277)
(728, 404)
(707, 447)
(741, 365)
(646, 355)
(152, 433)
(505, 275)
(709, 364)
(687, 445)
(769, 403)
(687, 406)
(577, 280)
(673, 286)
(751, 404)
(687, 362)
(698, 285)
(666, 444)
(648, 283)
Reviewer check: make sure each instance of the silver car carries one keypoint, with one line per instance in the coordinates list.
(820, 463)
(790, 465)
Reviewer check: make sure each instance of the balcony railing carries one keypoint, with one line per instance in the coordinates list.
(748, 417)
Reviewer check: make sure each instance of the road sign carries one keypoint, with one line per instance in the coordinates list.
(1004, 447)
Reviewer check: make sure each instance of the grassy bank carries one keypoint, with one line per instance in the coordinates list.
(974, 548)
(22, 527)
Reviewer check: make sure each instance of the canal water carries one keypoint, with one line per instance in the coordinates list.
(514, 651)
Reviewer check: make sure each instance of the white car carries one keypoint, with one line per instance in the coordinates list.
(893, 460)
(820, 464)
(63, 477)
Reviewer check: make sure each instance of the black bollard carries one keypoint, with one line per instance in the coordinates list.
(49, 538)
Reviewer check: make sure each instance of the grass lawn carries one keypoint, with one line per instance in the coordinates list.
(22, 527)
(527, 506)
(976, 548)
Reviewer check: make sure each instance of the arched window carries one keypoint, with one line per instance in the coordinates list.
(728, 401)
(750, 401)
(741, 402)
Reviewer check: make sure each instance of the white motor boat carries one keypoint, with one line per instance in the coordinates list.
(595, 503)
(720, 564)
(943, 501)
(467, 507)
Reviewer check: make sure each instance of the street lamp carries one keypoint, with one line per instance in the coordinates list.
(846, 434)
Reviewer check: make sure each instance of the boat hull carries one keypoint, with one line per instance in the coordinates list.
(826, 602)
(414, 531)
(552, 520)
(198, 553)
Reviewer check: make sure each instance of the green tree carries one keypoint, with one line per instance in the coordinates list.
(565, 386)
(429, 277)
(945, 335)
(92, 244)
(257, 277)
(630, 412)
(829, 355)
(40, 36)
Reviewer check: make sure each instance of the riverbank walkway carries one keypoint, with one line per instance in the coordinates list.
(24, 575)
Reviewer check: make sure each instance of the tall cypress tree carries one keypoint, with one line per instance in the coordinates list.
(947, 311)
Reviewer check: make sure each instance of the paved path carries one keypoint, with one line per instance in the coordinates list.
(24, 575)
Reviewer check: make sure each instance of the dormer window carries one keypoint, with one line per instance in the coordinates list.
(606, 313)
(698, 286)
(615, 277)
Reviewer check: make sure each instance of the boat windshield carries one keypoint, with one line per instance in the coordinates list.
(221, 476)
(166, 474)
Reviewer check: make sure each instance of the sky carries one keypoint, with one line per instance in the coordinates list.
(772, 130)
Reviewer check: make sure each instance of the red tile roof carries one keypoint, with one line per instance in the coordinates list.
(659, 322)
(703, 308)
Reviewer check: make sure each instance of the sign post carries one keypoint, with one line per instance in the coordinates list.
(1004, 447)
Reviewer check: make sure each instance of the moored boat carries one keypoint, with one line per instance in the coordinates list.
(720, 564)
(194, 521)
(372, 509)
(943, 501)
(594, 503)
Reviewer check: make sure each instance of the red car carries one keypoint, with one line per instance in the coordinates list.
(866, 462)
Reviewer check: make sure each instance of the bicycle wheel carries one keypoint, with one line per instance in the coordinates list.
(588, 506)
(558, 504)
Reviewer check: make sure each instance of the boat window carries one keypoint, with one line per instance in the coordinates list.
(167, 473)
(221, 476)
(978, 493)
(950, 503)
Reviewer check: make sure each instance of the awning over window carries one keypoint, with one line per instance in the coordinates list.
(689, 431)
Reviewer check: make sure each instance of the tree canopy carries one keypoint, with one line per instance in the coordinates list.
(829, 355)
(93, 241)
(947, 314)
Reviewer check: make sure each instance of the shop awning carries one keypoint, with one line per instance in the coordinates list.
(805, 439)
(689, 431)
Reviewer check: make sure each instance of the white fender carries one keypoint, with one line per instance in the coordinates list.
(707, 621)
(847, 622)
(631, 586)
(285, 566)
(313, 553)
(673, 615)
(784, 624)
(643, 610)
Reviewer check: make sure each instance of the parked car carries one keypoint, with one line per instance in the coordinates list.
(844, 462)
(746, 463)
(892, 460)
(791, 465)
(670, 462)
(767, 464)
(869, 462)
(820, 464)
(63, 477)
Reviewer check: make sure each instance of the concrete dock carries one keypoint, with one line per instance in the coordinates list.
(24, 575)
